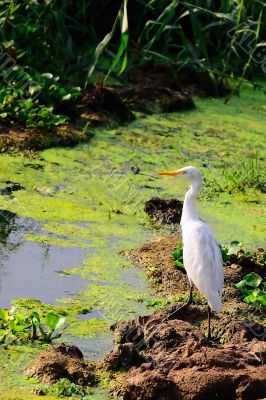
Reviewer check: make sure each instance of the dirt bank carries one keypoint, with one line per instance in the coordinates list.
(149, 89)
(180, 364)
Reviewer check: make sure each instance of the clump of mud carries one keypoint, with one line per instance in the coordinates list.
(166, 211)
(157, 258)
(180, 364)
(103, 104)
(62, 361)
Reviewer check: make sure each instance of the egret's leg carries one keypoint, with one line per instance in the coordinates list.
(209, 323)
(188, 302)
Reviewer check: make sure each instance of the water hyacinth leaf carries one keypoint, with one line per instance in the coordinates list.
(253, 280)
(178, 256)
(234, 247)
(35, 317)
(54, 321)
(4, 314)
(224, 252)
(254, 296)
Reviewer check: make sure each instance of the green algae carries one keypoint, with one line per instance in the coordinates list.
(13, 382)
(54, 241)
(92, 197)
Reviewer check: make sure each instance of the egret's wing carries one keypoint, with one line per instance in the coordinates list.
(203, 262)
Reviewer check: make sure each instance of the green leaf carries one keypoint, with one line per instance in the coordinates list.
(67, 97)
(54, 321)
(4, 314)
(47, 75)
(99, 50)
(35, 318)
(253, 297)
(253, 279)
(179, 264)
(34, 89)
(224, 252)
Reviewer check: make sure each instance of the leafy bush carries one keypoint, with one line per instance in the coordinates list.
(16, 327)
(38, 112)
(254, 289)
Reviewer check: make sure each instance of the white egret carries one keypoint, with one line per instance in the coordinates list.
(201, 252)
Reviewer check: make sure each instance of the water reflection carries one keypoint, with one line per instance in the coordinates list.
(29, 269)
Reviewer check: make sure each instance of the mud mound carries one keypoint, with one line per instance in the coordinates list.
(157, 258)
(164, 211)
(62, 361)
(180, 364)
(103, 104)
(123, 357)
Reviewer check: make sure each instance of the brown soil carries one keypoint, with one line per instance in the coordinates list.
(62, 361)
(157, 258)
(164, 211)
(18, 138)
(180, 364)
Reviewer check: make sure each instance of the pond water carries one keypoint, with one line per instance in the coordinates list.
(62, 230)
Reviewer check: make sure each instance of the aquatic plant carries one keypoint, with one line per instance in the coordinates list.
(63, 388)
(254, 289)
(16, 327)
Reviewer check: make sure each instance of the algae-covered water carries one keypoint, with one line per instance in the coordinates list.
(75, 209)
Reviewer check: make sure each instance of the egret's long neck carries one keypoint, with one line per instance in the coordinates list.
(189, 211)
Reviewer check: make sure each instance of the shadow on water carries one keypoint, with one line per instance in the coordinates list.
(29, 269)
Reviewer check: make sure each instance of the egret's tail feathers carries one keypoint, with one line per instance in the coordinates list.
(215, 302)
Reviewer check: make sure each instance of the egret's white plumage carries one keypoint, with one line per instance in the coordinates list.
(201, 253)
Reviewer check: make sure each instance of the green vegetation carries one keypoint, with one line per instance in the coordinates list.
(63, 388)
(235, 253)
(17, 328)
(50, 50)
(254, 289)
(178, 256)
(249, 174)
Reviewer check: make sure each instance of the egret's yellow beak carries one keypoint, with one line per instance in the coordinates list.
(177, 172)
